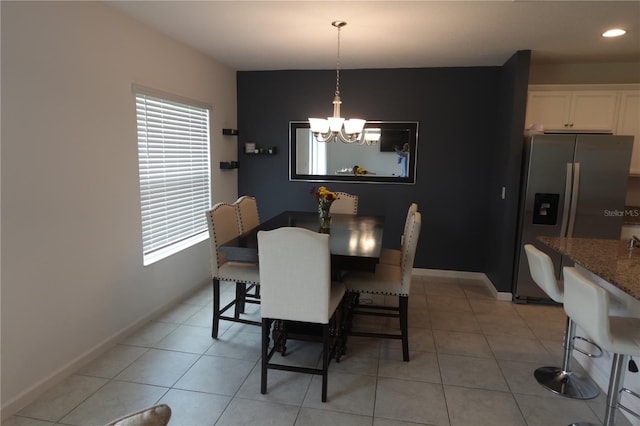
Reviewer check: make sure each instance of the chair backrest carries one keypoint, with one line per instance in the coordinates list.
(157, 415)
(247, 211)
(541, 269)
(344, 204)
(409, 246)
(295, 275)
(223, 226)
(412, 209)
(587, 304)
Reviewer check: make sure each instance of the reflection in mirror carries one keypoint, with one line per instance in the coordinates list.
(390, 159)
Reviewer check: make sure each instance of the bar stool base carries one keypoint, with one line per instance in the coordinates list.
(566, 384)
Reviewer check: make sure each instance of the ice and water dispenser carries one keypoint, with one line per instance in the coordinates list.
(545, 209)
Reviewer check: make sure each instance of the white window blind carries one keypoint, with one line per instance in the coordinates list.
(173, 158)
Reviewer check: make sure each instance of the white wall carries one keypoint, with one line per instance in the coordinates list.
(609, 73)
(72, 274)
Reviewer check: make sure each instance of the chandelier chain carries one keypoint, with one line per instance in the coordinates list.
(336, 128)
(338, 66)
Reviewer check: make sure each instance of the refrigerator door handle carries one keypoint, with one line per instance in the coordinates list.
(574, 199)
(567, 206)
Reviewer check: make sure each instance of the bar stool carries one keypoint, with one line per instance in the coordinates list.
(560, 380)
(588, 304)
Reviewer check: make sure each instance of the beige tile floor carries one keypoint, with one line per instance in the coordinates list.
(472, 360)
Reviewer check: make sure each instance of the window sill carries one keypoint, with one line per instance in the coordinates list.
(156, 256)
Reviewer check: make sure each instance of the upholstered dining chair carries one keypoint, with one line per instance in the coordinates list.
(248, 214)
(388, 280)
(223, 226)
(344, 204)
(394, 256)
(248, 218)
(157, 415)
(297, 286)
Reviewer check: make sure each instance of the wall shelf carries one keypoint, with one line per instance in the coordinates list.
(228, 165)
(230, 132)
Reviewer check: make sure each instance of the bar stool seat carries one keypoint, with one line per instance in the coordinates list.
(560, 380)
(588, 305)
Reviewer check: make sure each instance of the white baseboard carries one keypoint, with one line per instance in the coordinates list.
(39, 388)
(499, 295)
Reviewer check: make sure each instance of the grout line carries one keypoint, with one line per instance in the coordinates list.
(423, 282)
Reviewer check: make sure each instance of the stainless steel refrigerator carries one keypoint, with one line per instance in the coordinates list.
(574, 185)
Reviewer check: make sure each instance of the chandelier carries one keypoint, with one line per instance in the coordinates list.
(337, 128)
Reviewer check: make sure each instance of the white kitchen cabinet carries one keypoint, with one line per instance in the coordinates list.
(551, 109)
(629, 124)
(572, 110)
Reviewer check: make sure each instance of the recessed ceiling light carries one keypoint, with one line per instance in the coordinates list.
(615, 32)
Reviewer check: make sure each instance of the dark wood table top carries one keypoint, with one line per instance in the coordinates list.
(355, 241)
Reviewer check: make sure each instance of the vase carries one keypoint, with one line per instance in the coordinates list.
(324, 218)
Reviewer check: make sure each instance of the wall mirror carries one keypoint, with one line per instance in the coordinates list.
(392, 159)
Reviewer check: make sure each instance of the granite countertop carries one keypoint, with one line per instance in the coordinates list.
(612, 260)
(632, 215)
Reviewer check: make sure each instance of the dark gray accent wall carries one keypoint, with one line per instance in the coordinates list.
(460, 111)
(502, 224)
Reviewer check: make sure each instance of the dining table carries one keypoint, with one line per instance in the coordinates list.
(355, 240)
(355, 243)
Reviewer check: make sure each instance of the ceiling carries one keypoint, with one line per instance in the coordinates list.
(276, 35)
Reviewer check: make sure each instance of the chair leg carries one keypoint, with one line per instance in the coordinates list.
(338, 332)
(216, 308)
(404, 326)
(561, 380)
(616, 380)
(569, 335)
(241, 295)
(265, 349)
(325, 360)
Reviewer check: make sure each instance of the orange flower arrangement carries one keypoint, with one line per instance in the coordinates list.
(324, 197)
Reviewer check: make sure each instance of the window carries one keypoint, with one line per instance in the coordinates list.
(317, 156)
(173, 160)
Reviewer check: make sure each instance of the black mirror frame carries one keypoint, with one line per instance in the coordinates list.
(413, 143)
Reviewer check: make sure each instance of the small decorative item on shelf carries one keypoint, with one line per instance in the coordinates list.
(252, 148)
(359, 171)
(325, 199)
